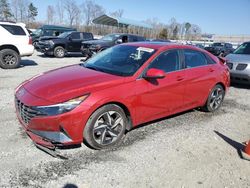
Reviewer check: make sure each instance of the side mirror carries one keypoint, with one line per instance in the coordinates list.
(118, 41)
(70, 38)
(154, 74)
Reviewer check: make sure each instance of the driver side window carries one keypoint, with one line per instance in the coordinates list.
(167, 61)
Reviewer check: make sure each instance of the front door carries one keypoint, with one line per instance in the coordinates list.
(75, 42)
(161, 97)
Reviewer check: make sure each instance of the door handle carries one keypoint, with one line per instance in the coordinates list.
(211, 70)
(179, 78)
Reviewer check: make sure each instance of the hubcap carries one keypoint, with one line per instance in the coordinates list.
(216, 98)
(60, 52)
(9, 59)
(108, 127)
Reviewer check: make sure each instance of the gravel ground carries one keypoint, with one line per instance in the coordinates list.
(193, 149)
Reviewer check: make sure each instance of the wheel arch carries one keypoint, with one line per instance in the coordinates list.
(9, 46)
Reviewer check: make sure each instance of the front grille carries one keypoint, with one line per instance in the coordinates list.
(26, 113)
(241, 66)
(230, 65)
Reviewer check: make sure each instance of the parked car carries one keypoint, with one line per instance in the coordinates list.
(66, 43)
(199, 46)
(116, 90)
(94, 46)
(239, 64)
(48, 30)
(220, 48)
(15, 42)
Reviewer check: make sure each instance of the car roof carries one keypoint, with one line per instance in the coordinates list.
(12, 23)
(161, 45)
(57, 27)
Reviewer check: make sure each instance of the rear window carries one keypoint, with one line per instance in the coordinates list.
(14, 29)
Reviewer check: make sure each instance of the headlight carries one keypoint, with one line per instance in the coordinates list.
(61, 108)
(50, 42)
(97, 47)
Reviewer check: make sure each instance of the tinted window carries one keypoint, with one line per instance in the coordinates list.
(167, 61)
(194, 59)
(75, 36)
(243, 49)
(87, 36)
(14, 29)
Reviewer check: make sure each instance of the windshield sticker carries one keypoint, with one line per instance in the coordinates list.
(149, 50)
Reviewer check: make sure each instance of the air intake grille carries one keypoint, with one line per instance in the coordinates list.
(26, 113)
(241, 66)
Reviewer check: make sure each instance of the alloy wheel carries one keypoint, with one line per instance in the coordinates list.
(9, 59)
(108, 127)
(216, 98)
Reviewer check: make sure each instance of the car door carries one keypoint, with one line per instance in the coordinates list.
(160, 97)
(200, 75)
(75, 41)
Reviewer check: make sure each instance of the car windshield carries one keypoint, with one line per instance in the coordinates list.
(37, 32)
(120, 60)
(243, 49)
(111, 37)
(64, 35)
(218, 44)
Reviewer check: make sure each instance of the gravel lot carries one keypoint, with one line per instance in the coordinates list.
(192, 149)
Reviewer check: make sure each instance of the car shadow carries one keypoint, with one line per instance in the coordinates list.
(66, 56)
(240, 86)
(236, 145)
(27, 62)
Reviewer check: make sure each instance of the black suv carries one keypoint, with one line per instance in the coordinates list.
(66, 43)
(220, 48)
(94, 46)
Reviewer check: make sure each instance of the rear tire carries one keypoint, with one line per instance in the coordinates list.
(9, 59)
(105, 127)
(59, 52)
(215, 99)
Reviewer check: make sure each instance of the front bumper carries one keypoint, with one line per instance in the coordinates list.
(50, 131)
(240, 78)
(45, 48)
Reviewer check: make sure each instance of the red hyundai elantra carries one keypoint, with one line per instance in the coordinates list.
(116, 90)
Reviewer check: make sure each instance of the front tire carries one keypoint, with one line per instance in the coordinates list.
(215, 99)
(105, 127)
(9, 59)
(59, 52)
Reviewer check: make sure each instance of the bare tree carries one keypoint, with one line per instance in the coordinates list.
(60, 11)
(72, 10)
(91, 10)
(50, 15)
(118, 13)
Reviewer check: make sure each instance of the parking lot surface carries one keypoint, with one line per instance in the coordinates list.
(192, 149)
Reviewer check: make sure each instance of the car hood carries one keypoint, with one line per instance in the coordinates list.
(238, 58)
(100, 42)
(47, 38)
(69, 82)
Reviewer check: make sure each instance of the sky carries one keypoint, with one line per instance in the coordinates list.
(226, 17)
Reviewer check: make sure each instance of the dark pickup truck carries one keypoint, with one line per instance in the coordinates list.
(220, 48)
(66, 43)
(94, 46)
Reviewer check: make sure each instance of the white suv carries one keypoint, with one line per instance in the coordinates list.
(15, 42)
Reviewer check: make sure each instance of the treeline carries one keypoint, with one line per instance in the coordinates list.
(79, 15)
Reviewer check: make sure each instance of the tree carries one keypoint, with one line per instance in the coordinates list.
(72, 11)
(60, 11)
(5, 11)
(163, 33)
(50, 15)
(175, 33)
(91, 11)
(117, 13)
(32, 12)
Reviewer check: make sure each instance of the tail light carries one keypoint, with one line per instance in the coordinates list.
(30, 40)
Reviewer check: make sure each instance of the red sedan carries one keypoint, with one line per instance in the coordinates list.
(116, 90)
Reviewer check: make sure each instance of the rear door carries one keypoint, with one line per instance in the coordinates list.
(75, 42)
(200, 74)
(160, 97)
